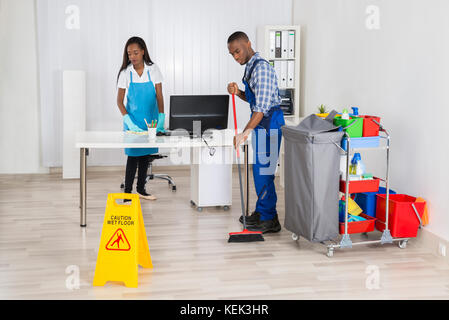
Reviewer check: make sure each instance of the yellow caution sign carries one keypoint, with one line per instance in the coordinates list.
(123, 244)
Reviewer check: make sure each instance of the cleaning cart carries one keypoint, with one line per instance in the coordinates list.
(400, 205)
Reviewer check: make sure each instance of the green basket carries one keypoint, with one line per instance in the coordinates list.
(353, 130)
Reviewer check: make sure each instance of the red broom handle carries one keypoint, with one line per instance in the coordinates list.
(235, 120)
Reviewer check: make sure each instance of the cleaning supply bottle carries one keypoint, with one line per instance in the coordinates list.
(345, 114)
(357, 167)
(355, 111)
(360, 169)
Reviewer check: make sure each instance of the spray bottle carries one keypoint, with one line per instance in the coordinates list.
(355, 111)
(357, 167)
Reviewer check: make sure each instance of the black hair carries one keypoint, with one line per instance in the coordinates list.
(238, 35)
(146, 56)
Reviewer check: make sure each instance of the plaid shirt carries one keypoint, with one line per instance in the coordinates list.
(264, 84)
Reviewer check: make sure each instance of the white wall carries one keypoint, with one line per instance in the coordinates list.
(90, 36)
(187, 39)
(19, 92)
(399, 72)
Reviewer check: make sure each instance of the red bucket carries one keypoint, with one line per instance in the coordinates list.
(402, 219)
(370, 128)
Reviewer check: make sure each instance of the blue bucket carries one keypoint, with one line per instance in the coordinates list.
(367, 200)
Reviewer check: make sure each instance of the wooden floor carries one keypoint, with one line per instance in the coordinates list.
(40, 238)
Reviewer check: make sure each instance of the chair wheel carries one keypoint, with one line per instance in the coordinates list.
(295, 237)
(173, 188)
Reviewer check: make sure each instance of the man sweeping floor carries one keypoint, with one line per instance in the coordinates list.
(262, 94)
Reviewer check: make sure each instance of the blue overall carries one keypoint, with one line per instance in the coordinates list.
(141, 105)
(266, 142)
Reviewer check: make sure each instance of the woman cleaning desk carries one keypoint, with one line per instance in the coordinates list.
(140, 81)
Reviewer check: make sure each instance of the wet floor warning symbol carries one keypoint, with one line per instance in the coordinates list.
(118, 242)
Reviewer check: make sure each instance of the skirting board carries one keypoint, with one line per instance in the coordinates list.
(431, 241)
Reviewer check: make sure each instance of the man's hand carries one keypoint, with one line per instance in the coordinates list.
(241, 138)
(233, 88)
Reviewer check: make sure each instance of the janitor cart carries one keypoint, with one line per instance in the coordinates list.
(346, 186)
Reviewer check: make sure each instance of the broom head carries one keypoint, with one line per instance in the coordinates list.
(245, 236)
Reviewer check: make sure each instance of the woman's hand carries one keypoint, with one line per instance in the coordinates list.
(131, 125)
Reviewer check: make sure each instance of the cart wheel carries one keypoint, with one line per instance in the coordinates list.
(330, 252)
(226, 208)
(402, 244)
(192, 203)
(173, 188)
(295, 237)
(122, 186)
(199, 209)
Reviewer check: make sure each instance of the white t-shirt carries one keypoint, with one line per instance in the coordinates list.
(124, 77)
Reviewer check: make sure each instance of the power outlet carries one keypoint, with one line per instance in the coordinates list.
(442, 249)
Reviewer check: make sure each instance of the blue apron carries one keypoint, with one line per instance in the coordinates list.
(141, 104)
(266, 142)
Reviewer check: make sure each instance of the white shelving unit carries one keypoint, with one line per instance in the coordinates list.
(263, 47)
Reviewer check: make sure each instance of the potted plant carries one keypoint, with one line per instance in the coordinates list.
(322, 111)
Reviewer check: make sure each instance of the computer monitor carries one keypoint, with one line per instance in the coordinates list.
(211, 110)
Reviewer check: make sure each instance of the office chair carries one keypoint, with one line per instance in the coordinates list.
(152, 176)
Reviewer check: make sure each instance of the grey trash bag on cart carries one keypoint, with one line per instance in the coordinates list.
(312, 175)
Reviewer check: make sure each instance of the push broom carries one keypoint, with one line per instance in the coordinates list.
(245, 235)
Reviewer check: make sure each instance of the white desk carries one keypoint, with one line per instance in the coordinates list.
(118, 140)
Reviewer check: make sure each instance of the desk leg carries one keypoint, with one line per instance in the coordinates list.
(245, 158)
(83, 154)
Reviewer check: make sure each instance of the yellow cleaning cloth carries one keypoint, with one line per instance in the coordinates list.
(353, 208)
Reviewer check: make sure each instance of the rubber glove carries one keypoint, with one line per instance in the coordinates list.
(160, 122)
(131, 125)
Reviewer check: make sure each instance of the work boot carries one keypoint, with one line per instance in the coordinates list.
(266, 226)
(253, 219)
(144, 195)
